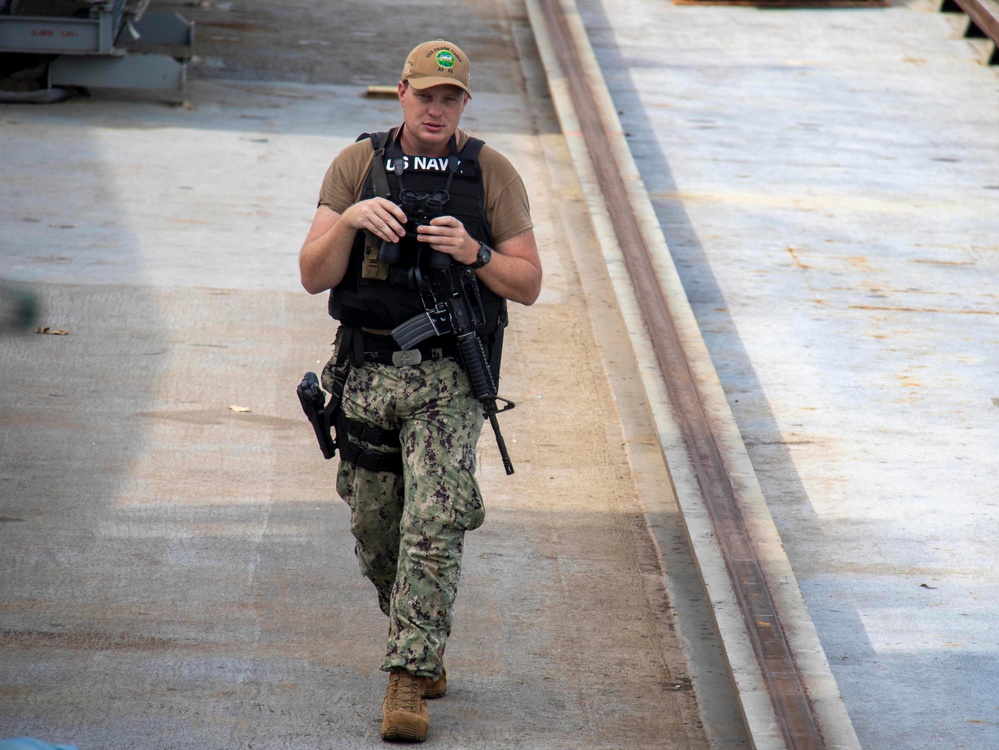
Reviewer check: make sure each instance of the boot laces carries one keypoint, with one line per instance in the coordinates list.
(404, 692)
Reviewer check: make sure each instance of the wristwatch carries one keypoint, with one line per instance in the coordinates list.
(485, 255)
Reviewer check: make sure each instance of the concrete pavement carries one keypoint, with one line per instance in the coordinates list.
(826, 181)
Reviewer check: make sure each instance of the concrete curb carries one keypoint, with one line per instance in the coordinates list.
(755, 705)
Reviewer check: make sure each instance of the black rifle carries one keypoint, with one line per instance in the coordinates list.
(454, 306)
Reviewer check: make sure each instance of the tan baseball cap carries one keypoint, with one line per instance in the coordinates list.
(435, 63)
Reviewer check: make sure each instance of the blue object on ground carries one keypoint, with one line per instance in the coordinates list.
(27, 743)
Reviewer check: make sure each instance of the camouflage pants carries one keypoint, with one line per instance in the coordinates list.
(410, 529)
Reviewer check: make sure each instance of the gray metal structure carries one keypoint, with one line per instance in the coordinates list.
(100, 43)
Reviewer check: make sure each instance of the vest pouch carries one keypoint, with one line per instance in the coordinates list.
(372, 267)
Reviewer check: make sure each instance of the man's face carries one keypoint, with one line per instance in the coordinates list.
(431, 116)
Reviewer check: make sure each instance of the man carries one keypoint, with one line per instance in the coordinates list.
(407, 467)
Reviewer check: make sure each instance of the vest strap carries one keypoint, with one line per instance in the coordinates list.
(378, 178)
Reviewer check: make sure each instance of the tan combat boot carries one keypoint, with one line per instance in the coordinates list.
(404, 714)
(435, 688)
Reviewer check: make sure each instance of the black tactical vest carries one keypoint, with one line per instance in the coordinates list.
(380, 295)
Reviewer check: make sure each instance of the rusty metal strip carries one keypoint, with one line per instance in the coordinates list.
(789, 4)
(794, 712)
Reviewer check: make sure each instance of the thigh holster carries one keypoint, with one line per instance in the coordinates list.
(350, 434)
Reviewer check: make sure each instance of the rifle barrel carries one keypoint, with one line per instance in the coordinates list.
(507, 463)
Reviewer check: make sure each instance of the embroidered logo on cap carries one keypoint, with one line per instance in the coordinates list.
(445, 59)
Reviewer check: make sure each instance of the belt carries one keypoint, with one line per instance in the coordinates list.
(408, 357)
(383, 350)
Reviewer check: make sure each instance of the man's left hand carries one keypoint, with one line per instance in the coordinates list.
(447, 234)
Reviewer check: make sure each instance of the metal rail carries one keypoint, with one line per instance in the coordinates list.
(795, 713)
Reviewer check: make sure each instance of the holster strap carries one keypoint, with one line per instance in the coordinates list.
(371, 435)
(371, 460)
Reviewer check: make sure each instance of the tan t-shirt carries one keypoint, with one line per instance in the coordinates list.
(507, 208)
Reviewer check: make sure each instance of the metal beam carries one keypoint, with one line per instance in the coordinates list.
(125, 72)
(56, 35)
(164, 28)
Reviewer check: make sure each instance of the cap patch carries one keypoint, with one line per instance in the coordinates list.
(445, 59)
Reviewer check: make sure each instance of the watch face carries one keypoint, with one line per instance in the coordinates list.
(485, 255)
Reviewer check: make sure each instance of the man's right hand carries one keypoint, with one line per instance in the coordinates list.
(380, 216)
(325, 254)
